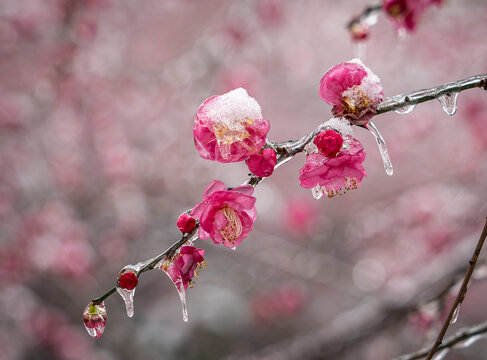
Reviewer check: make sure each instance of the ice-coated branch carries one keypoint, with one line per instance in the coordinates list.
(287, 150)
(366, 13)
(417, 97)
(463, 338)
(461, 293)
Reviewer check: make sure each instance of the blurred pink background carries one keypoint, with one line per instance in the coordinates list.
(97, 99)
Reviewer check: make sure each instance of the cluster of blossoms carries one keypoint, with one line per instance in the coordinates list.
(334, 161)
(406, 13)
(231, 128)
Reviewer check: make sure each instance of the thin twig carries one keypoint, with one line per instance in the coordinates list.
(463, 337)
(288, 149)
(364, 14)
(461, 293)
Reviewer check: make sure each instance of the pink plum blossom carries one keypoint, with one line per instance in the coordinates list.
(186, 265)
(331, 176)
(229, 127)
(405, 13)
(226, 216)
(353, 90)
(328, 142)
(263, 163)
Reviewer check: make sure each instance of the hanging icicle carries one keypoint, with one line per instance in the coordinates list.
(382, 147)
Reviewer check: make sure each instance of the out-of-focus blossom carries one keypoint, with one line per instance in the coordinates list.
(358, 31)
(95, 318)
(229, 127)
(333, 176)
(405, 13)
(282, 302)
(226, 216)
(263, 163)
(186, 223)
(186, 265)
(353, 90)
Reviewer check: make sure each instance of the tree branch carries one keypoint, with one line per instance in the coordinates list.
(288, 149)
(463, 338)
(461, 293)
(364, 14)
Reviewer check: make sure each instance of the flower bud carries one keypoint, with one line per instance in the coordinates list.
(186, 223)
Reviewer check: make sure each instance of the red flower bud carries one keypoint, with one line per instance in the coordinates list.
(128, 280)
(329, 143)
(186, 223)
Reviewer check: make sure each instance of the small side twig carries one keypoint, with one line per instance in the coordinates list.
(464, 336)
(364, 14)
(461, 293)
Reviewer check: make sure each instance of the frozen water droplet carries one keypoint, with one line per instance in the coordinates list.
(359, 49)
(234, 248)
(178, 283)
(449, 102)
(382, 147)
(405, 109)
(317, 193)
(371, 19)
(128, 299)
(455, 315)
(440, 355)
(95, 318)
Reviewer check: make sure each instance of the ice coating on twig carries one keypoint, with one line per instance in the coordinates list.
(127, 281)
(405, 110)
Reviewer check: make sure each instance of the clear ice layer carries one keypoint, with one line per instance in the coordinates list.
(382, 147)
(181, 292)
(405, 109)
(449, 102)
(128, 299)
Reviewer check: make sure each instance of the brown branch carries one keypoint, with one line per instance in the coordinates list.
(287, 150)
(461, 292)
(364, 14)
(464, 337)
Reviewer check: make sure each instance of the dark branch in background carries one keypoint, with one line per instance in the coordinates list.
(369, 10)
(461, 293)
(287, 150)
(464, 337)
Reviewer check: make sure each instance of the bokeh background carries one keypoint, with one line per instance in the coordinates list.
(97, 100)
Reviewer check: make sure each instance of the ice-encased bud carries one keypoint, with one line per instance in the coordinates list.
(95, 318)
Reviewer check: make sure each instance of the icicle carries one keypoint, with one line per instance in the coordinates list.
(382, 147)
(126, 283)
(405, 109)
(402, 34)
(95, 318)
(178, 283)
(455, 315)
(449, 102)
(317, 193)
(359, 49)
(440, 355)
(234, 248)
(128, 299)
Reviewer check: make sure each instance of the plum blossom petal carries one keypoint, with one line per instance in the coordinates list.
(333, 176)
(263, 163)
(229, 127)
(226, 216)
(186, 265)
(353, 90)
